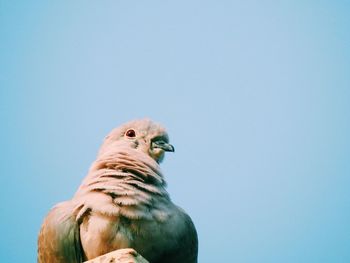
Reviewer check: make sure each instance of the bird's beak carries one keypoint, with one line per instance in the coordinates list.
(163, 145)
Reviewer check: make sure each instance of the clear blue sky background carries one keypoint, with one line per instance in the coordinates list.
(255, 96)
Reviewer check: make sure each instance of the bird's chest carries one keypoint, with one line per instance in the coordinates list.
(150, 236)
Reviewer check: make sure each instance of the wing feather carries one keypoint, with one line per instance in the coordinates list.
(59, 238)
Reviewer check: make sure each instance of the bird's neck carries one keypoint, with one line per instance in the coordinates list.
(124, 171)
(124, 184)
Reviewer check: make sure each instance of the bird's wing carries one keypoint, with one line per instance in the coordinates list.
(184, 246)
(59, 238)
(188, 246)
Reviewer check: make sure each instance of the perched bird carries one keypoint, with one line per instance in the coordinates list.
(122, 203)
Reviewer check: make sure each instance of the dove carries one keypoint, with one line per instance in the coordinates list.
(122, 203)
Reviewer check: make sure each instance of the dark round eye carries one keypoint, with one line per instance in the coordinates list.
(130, 133)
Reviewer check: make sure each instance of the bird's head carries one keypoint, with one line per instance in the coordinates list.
(143, 135)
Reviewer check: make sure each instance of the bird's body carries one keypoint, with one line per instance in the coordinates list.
(122, 203)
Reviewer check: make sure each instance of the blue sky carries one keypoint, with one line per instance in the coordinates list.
(255, 96)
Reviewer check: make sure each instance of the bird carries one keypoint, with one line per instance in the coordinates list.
(122, 203)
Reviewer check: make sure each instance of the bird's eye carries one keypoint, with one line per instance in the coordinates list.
(130, 133)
